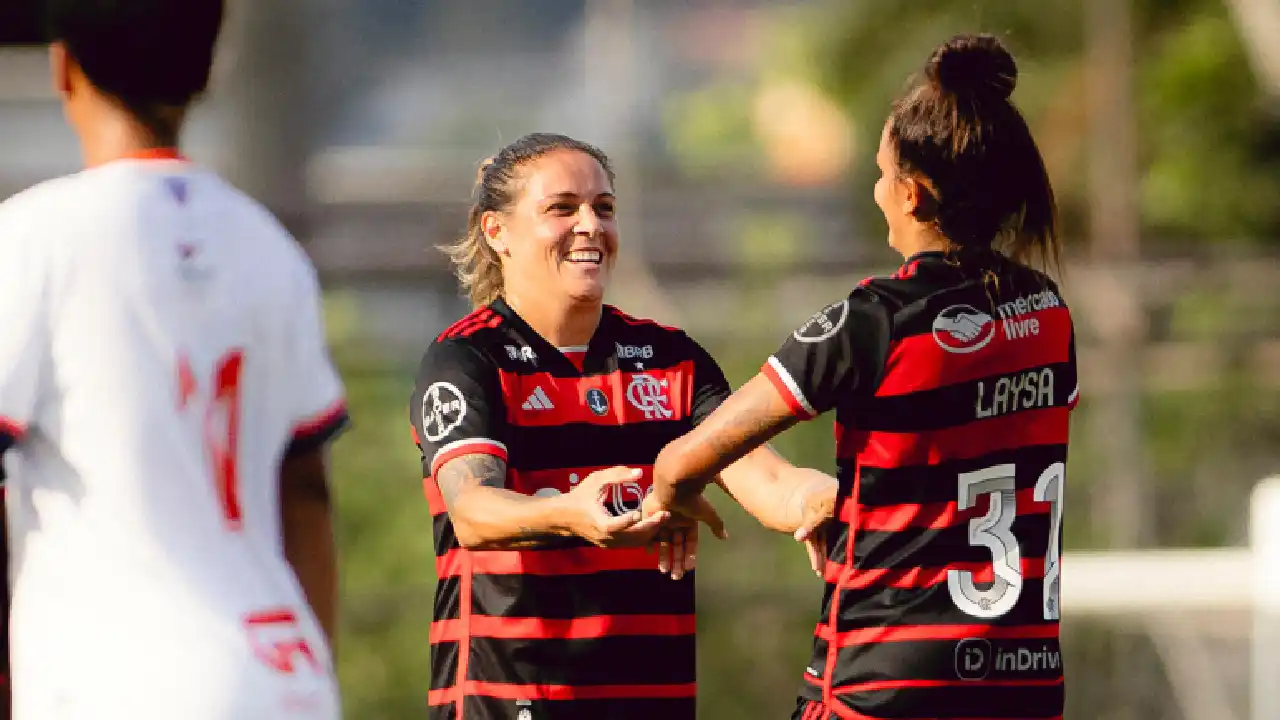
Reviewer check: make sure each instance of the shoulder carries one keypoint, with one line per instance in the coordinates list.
(866, 301)
(633, 331)
(466, 347)
(895, 291)
(244, 217)
(42, 206)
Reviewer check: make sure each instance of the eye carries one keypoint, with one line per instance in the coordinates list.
(605, 208)
(561, 208)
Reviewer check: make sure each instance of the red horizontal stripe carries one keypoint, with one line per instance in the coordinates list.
(478, 446)
(919, 577)
(12, 428)
(789, 397)
(435, 501)
(574, 561)
(919, 363)
(633, 397)
(513, 691)
(934, 516)
(914, 633)
(875, 685)
(1046, 426)
(532, 628)
(844, 712)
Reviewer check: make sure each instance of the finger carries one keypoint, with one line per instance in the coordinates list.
(677, 554)
(691, 549)
(808, 526)
(611, 525)
(616, 475)
(664, 553)
(649, 524)
(707, 514)
(817, 556)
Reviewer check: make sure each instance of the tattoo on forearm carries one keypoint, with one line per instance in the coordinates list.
(470, 471)
(745, 426)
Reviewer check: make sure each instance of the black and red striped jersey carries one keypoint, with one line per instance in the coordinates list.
(568, 630)
(952, 383)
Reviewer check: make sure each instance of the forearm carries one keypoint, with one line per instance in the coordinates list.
(310, 549)
(682, 471)
(771, 489)
(748, 419)
(488, 518)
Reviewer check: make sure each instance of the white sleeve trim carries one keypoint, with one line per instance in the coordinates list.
(790, 382)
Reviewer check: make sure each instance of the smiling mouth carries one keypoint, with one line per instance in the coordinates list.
(586, 257)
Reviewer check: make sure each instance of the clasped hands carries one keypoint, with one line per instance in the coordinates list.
(672, 529)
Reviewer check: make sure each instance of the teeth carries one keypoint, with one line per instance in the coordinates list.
(586, 256)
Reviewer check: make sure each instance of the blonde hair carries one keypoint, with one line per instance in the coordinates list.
(476, 264)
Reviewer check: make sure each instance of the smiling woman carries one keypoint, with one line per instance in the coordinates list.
(539, 417)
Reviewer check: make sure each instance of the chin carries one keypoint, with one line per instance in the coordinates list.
(585, 295)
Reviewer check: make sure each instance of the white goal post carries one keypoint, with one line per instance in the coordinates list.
(1147, 584)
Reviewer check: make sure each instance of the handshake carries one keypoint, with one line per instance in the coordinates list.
(671, 527)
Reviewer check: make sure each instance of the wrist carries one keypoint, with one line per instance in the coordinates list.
(561, 516)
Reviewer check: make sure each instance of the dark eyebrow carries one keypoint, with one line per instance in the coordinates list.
(572, 196)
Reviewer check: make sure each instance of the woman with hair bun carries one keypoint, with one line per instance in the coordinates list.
(952, 380)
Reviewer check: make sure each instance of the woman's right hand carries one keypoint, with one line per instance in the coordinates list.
(590, 521)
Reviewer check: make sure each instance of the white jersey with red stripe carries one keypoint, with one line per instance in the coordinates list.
(163, 349)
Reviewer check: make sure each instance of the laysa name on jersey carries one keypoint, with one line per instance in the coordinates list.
(1021, 391)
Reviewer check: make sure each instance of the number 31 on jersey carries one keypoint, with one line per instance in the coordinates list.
(220, 400)
(994, 531)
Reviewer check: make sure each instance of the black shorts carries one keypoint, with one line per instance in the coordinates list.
(807, 709)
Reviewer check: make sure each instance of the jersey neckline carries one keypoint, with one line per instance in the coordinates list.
(156, 154)
(589, 351)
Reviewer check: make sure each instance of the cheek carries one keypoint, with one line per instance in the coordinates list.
(881, 194)
(545, 239)
(611, 234)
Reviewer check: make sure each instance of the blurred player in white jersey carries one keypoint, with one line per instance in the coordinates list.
(165, 399)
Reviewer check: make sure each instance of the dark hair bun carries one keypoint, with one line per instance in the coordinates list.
(973, 65)
(484, 165)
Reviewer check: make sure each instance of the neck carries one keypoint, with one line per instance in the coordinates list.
(561, 323)
(924, 240)
(113, 134)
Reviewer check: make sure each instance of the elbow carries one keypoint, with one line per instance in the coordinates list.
(466, 531)
(466, 538)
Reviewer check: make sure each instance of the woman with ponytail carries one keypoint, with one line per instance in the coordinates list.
(952, 380)
(539, 416)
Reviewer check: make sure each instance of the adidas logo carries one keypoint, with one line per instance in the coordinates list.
(538, 400)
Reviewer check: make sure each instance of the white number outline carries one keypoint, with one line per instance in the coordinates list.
(994, 531)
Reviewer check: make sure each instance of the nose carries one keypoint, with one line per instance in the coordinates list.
(588, 221)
